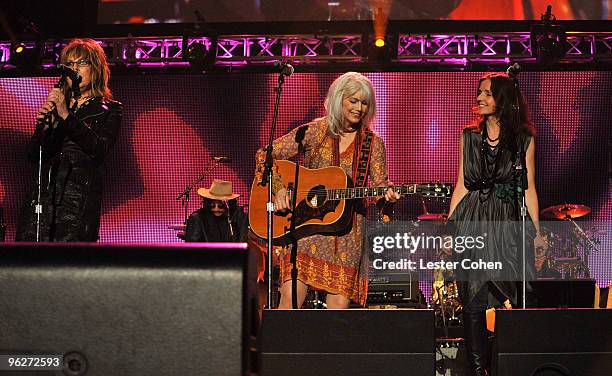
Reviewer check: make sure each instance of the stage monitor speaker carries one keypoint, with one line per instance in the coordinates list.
(546, 342)
(564, 293)
(150, 309)
(352, 342)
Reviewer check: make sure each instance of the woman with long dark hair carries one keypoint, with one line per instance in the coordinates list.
(75, 140)
(486, 205)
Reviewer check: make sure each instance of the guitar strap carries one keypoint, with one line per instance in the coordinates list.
(361, 157)
(335, 151)
(360, 169)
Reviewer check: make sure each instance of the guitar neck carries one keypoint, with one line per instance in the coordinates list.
(362, 192)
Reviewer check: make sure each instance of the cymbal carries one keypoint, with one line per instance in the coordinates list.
(566, 211)
(432, 217)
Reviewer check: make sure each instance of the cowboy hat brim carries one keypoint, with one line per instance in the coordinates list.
(204, 192)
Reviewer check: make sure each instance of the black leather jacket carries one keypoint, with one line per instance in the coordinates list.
(72, 174)
(203, 226)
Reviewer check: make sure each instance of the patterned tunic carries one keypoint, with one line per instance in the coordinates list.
(335, 264)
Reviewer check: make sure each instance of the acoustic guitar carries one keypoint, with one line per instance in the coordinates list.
(324, 201)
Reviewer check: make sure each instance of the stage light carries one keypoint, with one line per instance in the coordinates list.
(196, 52)
(548, 40)
(200, 54)
(378, 48)
(550, 47)
(548, 43)
(379, 51)
(25, 57)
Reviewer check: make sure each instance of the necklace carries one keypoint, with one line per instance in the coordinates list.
(83, 99)
(487, 133)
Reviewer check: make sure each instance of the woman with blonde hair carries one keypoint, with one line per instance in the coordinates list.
(76, 130)
(333, 263)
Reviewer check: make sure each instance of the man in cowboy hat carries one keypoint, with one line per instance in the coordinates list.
(220, 219)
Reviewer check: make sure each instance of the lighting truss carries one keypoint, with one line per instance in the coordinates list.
(5, 52)
(493, 47)
(297, 48)
(236, 49)
(450, 48)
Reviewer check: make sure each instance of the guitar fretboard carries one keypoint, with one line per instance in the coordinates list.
(361, 192)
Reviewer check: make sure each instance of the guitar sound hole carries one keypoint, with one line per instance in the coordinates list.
(317, 196)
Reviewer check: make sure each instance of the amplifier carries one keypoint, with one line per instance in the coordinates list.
(394, 285)
(394, 288)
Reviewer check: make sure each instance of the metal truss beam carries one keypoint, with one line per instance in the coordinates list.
(495, 47)
(447, 48)
(230, 49)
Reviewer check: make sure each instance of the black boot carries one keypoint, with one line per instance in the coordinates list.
(476, 343)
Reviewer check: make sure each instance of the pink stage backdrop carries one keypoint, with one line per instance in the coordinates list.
(173, 124)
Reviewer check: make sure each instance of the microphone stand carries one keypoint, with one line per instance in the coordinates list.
(523, 188)
(2, 226)
(267, 179)
(299, 138)
(229, 219)
(45, 122)
(186, 194)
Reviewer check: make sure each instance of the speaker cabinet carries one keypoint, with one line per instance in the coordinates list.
(564, 293)
(353, 342)
(562, 342)
(159, 309)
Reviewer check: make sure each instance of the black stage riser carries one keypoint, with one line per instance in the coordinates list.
(576, 340)
(130, 310)
(555, 364)
(346, 364)
(348, 342)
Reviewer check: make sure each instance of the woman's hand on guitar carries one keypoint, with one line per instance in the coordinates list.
(392, 196)
(281, 201)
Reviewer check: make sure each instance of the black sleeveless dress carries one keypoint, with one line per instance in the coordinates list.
(491, 211)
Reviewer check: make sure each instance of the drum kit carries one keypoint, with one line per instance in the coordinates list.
(569, 246)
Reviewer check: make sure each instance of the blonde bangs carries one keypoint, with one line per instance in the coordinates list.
(100, 73)
(344, 86)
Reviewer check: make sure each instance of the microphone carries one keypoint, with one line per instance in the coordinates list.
(66, 71)
(513, 70)
(221, 159)
(75, 77)
(286, 69)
